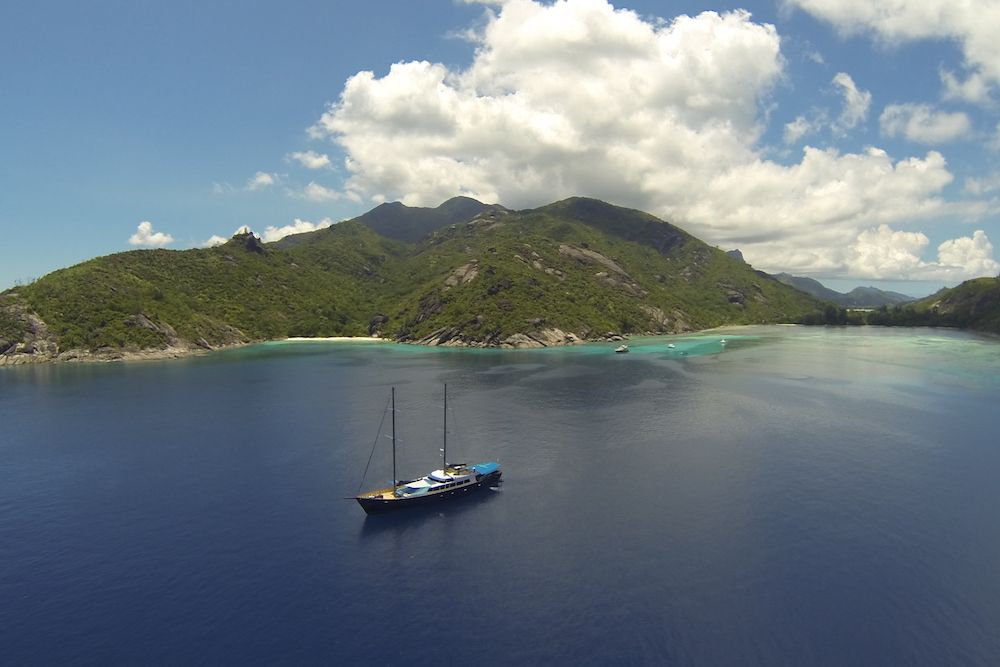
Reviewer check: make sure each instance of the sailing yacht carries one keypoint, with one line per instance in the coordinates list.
(449, 481)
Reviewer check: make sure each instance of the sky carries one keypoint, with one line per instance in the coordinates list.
(854, 142)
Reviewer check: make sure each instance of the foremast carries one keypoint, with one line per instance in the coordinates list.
(395, 480)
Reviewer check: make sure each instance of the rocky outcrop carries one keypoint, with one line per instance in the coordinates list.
(453, 337)
(588, 256)
(31, 340)
(250, 242)
(38, 344)
(145, 322)
(615, 277)
(376, 323)
(541, 338)
(462, 275)
(738, 296)
(621, 283)
(535, 261)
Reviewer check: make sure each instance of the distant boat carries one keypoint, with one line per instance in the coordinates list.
(452, 479)
(671, 345)
(621, 349)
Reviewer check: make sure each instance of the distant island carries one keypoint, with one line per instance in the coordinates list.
(859, 297)
(461, 274)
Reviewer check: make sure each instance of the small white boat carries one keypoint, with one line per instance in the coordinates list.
(671, 345)
(621, 349)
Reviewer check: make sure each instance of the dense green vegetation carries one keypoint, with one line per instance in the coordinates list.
(580, 265)
(975, 304)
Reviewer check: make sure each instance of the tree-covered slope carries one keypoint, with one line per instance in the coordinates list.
(576, 269)
(975, 304)
(583, 267)
(238, 292)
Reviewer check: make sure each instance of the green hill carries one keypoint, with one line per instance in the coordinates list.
(575, 269)
(975, 304)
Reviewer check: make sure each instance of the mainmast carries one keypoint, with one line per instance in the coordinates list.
(394, 480)
(444, 452)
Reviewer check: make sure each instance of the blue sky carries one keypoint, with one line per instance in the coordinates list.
(830, 139)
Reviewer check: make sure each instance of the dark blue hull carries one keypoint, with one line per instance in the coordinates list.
(380, 505)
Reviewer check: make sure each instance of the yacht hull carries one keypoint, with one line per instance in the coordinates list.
(380, 505)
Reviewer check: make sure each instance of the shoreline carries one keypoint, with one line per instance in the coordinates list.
(516, 342)
(107, 356)
(330, 339)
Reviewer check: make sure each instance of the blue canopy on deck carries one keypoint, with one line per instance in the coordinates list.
(486, 468)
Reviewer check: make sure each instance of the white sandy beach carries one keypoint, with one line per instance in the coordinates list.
(334, 339)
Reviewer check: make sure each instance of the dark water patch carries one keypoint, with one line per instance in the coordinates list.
(800, 497)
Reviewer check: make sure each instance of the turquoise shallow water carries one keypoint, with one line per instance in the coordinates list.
(795, 496)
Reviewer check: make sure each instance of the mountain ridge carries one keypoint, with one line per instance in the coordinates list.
(574, 270)
(859, 297)
(397, 221)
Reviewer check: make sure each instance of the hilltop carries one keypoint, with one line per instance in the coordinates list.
(859, 297)
(464, 273)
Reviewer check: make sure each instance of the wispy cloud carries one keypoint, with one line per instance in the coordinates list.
(923, 124)
(318, 193)
(799, 128)
(980, 185)
(311, 159)
(994, 142)
(856, 102)
(975, 88)
(261, 180)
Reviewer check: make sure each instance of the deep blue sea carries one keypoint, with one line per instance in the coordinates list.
(795, 496)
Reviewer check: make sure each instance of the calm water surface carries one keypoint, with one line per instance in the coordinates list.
(795, 496)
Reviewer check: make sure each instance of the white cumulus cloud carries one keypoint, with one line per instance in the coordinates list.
(145, 237)
(579, 98)
(885, 253)
(299, 226)
(923, 124)
(968, 257)
(213, 241)
(311, 159)
(972, 25)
